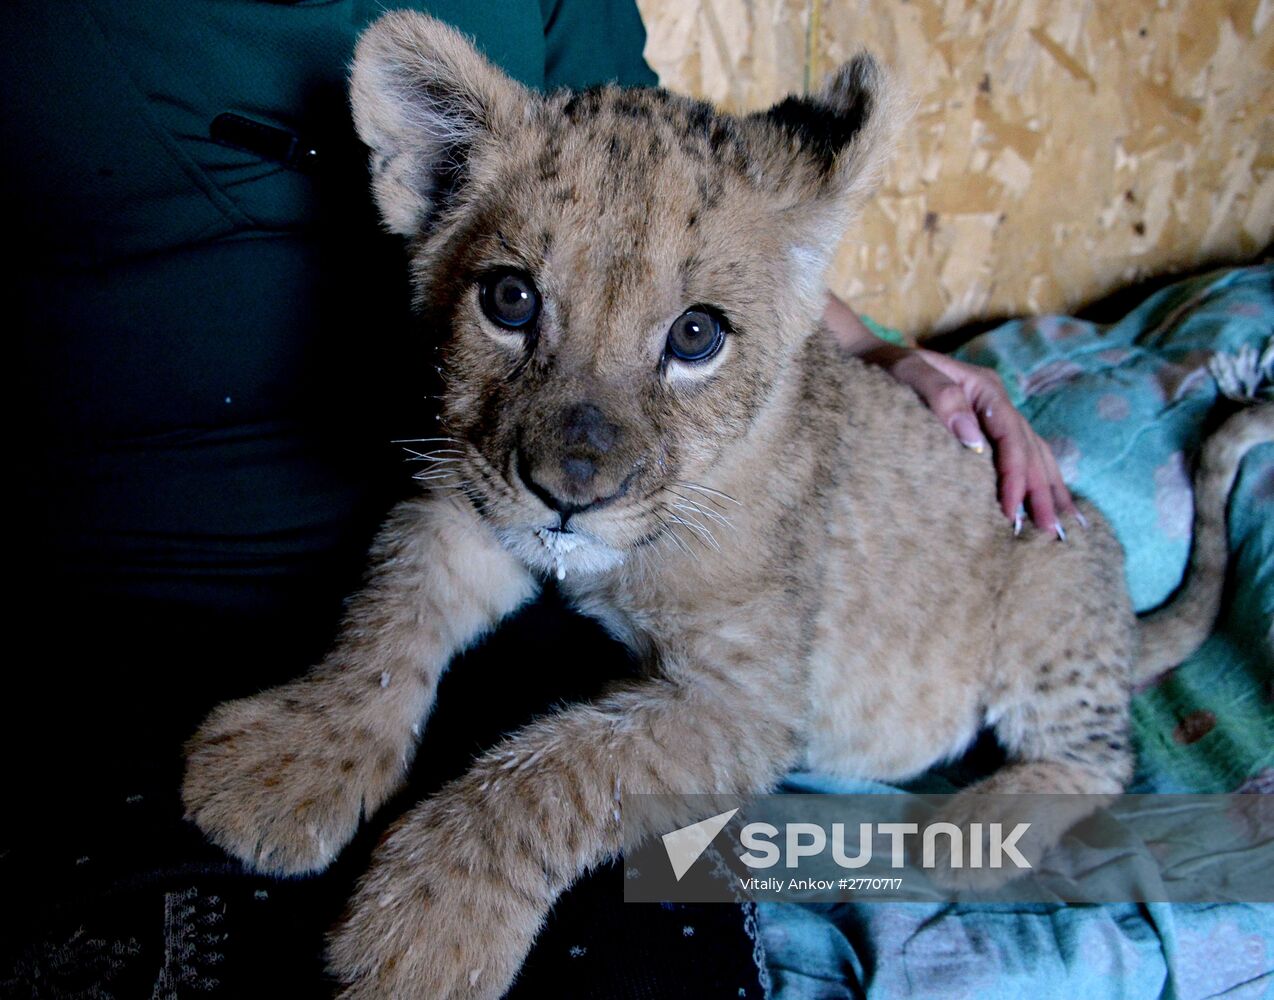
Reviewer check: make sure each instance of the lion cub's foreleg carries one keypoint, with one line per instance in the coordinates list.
(460, 886)
(281, 779)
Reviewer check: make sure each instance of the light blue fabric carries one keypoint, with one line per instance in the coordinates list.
(1123, 406)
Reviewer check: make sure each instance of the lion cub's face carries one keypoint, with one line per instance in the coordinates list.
(619, 278)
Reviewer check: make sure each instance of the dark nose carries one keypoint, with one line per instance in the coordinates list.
(585, 425)
(579, 473)
(578, 477)
(573, 481)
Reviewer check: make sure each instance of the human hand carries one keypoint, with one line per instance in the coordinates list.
(972, 403)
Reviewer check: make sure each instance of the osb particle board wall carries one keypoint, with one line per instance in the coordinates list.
(1061, 148)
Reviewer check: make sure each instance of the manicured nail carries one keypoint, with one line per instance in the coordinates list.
(1083, 521)
(1017, 522)
(1061, 532)
(966, 430)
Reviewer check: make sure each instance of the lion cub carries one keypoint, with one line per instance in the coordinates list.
(626, 286)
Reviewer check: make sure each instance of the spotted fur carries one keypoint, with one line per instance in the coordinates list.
(813, 570)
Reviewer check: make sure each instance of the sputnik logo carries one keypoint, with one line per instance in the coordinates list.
(685, 845)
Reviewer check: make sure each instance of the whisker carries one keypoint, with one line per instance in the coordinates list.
(490, 476)
(710, 492)
(702, 534)
(669, 533)
(434, 462)
(691, 515)
(691, 505)
(441, 452)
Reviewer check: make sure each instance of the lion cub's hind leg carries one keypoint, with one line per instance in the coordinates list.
(1062, 683)
(1060, 691)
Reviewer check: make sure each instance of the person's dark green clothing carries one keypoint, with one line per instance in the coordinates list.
(215, 342)
(216, 353)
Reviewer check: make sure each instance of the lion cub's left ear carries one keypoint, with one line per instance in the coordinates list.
(423, 97)
(838, 141)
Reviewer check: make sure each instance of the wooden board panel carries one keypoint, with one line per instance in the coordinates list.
(1060, 148)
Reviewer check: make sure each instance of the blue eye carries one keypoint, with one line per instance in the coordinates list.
(509, 298)
(696, 335)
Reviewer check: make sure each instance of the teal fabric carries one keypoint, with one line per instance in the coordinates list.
(116, 138)
(1123, 407)
(589, 42)
(884, 332)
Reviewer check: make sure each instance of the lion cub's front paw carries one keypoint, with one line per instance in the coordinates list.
(272, 780)
(436, 917)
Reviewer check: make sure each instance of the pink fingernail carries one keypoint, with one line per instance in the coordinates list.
(967, 431)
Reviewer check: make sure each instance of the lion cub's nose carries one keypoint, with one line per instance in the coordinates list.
(586, 425)
(574, 473)
(579, 473)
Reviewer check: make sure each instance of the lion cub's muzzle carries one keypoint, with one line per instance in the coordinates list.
(580, 460)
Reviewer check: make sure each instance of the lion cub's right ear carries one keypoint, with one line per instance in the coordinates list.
(422, 97)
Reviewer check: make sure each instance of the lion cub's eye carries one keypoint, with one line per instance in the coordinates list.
(695, 335)
(509, 298)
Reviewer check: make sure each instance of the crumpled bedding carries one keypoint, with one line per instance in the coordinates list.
(1124, 407)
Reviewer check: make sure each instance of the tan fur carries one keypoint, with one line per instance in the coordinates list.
(813, 569)
(1171, 633)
